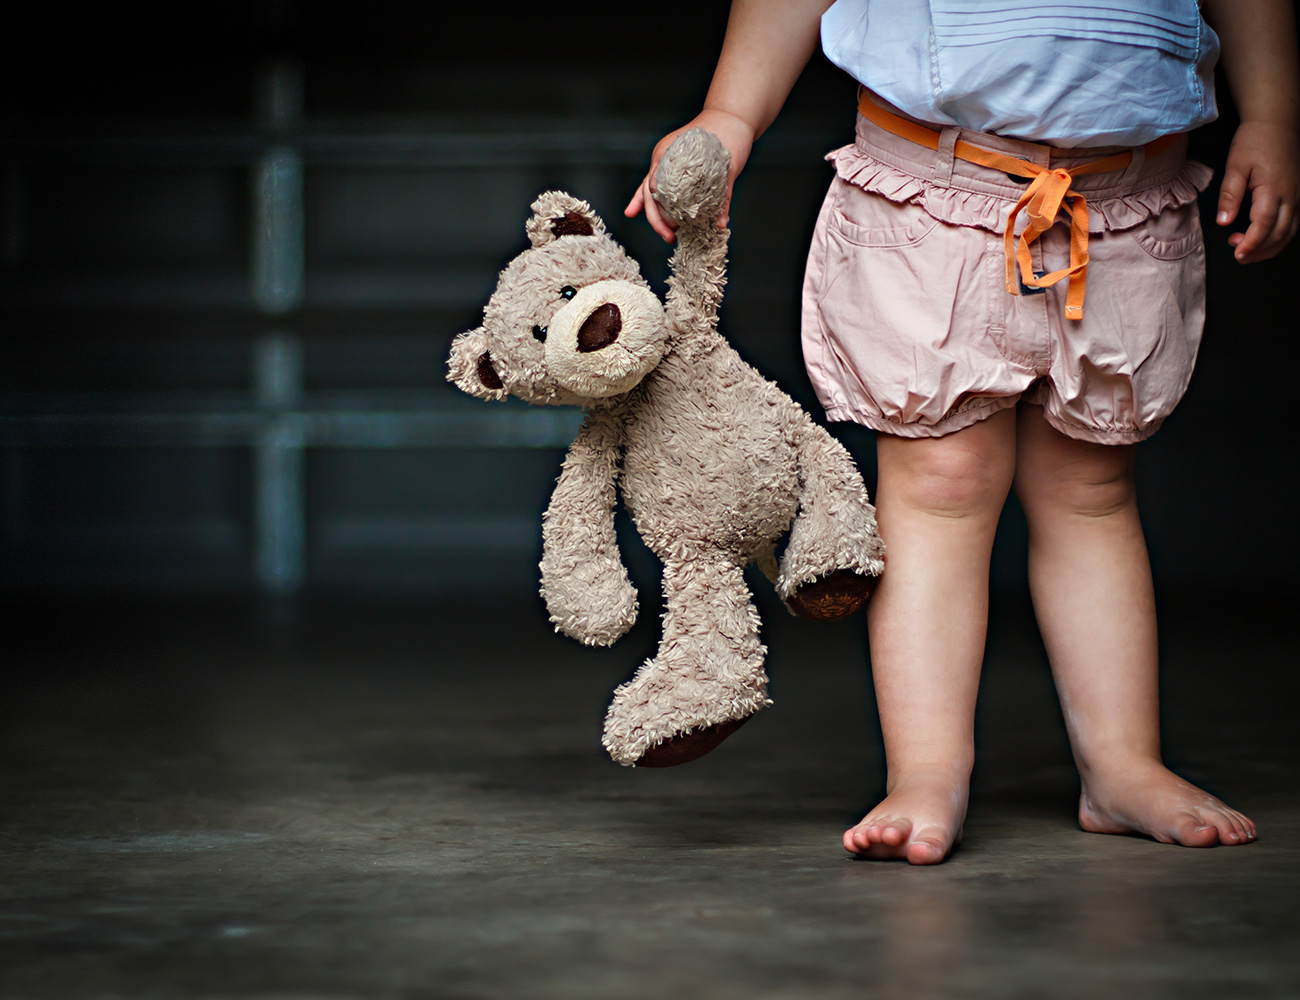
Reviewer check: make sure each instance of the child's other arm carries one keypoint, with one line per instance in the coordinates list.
(1259, 59)
(767, 45)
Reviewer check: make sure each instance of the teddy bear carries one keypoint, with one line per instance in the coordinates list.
(716, 465)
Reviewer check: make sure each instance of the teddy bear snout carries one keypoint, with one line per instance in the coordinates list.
(606, 339)
(600, 329)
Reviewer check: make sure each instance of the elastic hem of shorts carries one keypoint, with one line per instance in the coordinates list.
(1094, 435)
(952, 422)
(964, 419)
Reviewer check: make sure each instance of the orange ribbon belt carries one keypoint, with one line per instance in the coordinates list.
(1043, 201)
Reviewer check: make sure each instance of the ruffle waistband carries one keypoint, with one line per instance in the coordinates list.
(961, 207)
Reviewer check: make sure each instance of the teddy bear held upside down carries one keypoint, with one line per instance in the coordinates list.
(715, 463)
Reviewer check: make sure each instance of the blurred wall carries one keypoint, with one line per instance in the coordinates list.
(237, 242)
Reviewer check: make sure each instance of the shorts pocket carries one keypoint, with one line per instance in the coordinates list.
(899, 312)
(872, 220)
(1171, 234)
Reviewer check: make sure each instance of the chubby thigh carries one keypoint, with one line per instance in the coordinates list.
(908, 326)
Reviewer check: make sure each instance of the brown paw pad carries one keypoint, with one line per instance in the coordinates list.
(688, 747)
(832, 596)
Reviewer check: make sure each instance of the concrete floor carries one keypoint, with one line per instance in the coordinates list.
(348, 800)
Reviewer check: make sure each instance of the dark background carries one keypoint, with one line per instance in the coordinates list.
(136, 443)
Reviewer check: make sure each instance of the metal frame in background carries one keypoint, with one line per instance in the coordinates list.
(277, 419)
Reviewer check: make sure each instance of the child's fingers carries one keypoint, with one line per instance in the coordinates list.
(635, 205)
(724, 216)
(643, 200)
(1262, 167)
(1280, 235)
(1231, 193)
(1256, 241)
(1288, 224)
(655, 217)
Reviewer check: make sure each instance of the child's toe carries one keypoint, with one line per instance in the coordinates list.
(865, 837)
(925, 852)
(1191, 831)
(929, 847)
(893, 835)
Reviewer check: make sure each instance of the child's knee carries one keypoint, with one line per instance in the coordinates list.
(944, 478)
(1097, 482)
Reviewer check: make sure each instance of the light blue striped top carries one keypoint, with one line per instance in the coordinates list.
(1109, 72)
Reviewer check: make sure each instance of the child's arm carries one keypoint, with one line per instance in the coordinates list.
(1259, 59)
(767, 45)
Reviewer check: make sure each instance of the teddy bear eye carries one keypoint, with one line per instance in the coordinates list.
(568, 292)
(540, 333)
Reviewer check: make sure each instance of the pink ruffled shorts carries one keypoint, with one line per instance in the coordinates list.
(908, 326)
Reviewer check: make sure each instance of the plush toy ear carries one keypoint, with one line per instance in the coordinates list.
(470, 367)
(557, 214)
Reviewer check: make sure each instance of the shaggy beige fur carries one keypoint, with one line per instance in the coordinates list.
(715, 463)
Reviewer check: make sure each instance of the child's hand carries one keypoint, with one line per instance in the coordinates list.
(736, 135)
(1264, 160)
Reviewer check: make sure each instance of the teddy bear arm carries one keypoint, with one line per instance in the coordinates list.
(834, 542)
(691, 185)
(584, 583)
(698, 274)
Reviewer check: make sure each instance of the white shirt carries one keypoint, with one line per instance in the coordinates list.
(1100, 73)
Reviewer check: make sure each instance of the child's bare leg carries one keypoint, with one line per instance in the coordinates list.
(1092, 592)
(937, 506)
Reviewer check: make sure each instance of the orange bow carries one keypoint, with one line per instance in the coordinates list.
(1043, 201)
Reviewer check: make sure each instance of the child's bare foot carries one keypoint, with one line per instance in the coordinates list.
(920, 820)
(1152, 800)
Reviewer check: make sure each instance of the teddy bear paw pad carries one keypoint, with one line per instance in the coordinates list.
(689, 746)
(835, 595)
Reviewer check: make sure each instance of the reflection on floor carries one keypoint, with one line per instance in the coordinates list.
(376, 799)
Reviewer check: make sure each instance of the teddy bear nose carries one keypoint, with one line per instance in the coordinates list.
(487, 374)
(600, 329)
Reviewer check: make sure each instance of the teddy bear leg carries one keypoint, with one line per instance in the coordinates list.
(707, 676)
(835, 553)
